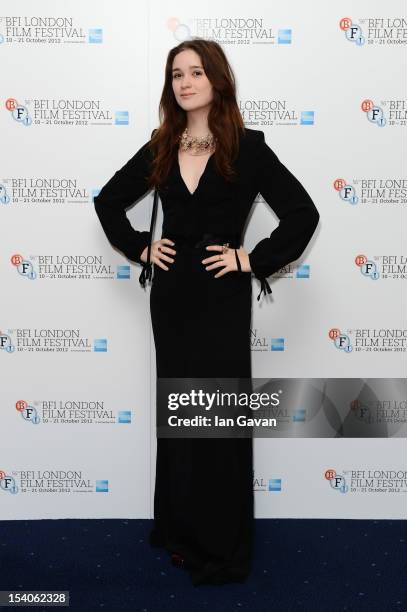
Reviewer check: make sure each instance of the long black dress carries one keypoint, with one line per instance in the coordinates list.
(203, 501)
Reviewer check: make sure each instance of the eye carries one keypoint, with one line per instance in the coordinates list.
(194, 72)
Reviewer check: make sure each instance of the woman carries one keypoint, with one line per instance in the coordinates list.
(208, 169)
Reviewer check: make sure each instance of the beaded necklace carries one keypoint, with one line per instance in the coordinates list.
(197, 145)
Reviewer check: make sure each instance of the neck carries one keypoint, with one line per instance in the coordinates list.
(197, 122)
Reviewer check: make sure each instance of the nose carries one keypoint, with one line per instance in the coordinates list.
(185, 82)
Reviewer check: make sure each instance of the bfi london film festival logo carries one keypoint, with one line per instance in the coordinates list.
(386, 267)
(375, 30)
(68, 267)
(396, 111)
(372, 191)
(388, 411)
(229, 31)
(384, 340)
(50, 481)
(47, 112)
(341, 340)
(277, 112)
(70, 412)
(367, 267)
(367, 481)
(35, 30)
(337, 481)
(374, 113)
(30, 340)
(43, 190)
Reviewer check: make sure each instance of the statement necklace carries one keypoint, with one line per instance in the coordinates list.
(196, 144)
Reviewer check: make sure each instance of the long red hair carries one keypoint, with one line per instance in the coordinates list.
(225, 121)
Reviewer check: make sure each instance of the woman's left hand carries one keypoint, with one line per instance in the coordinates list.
(226, 260)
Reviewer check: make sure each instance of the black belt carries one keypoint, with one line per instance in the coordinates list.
(203, 240)
(199, 241)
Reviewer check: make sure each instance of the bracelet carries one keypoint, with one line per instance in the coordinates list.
(239, 267)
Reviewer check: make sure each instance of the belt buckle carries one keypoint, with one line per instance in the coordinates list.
(208, 239)
(205, 240)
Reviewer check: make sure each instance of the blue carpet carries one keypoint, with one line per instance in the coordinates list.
(300, 564)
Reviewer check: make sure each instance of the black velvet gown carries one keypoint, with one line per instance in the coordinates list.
(203, 501)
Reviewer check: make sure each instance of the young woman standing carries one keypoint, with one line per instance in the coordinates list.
(208, 169)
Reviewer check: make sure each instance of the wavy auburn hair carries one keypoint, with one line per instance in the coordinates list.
(224, 119)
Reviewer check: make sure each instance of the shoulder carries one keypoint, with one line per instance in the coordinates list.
(145, 151)
(249, 142)
(255, 149)
(253, 142)
(253, 135)
(260, 150)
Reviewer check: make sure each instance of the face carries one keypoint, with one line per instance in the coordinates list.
(188, 77)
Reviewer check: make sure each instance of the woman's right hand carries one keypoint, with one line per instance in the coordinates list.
(158, 248)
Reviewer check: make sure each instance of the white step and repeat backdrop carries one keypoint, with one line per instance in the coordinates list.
(80, 88)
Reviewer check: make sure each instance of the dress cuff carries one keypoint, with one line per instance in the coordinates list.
(143, 242)
(265, 287)
(147, 271)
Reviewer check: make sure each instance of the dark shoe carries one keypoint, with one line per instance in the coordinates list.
(178, 561)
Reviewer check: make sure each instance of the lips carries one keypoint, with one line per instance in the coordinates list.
(186, 95)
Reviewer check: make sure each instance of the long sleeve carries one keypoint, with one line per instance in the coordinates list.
(125, 187)
(298, 216)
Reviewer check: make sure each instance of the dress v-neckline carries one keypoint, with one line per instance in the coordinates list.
(191, 194)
